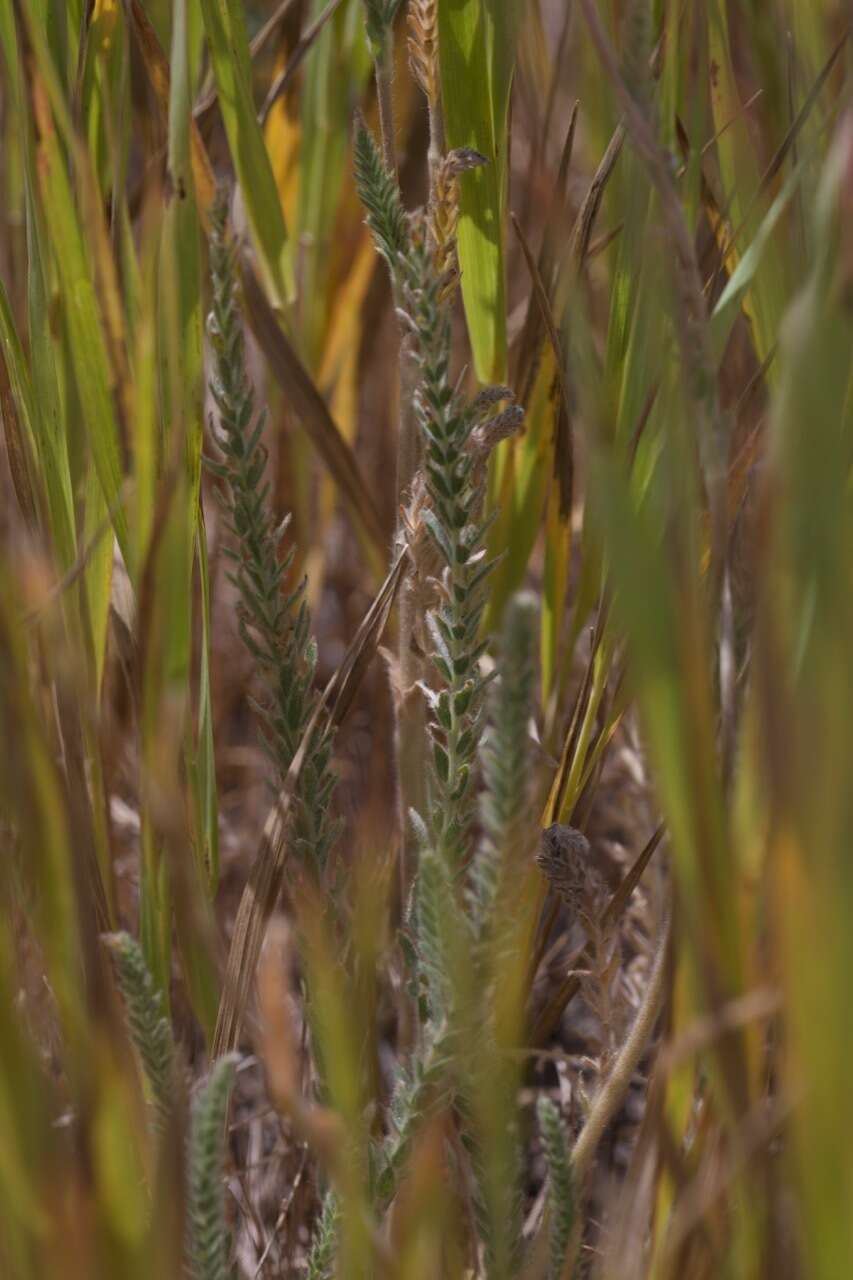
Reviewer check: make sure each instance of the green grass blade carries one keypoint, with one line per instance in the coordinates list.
(334, 75)
(477, 41)
(86, 340)
(228, 43)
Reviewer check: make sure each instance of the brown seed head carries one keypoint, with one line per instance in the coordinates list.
(423, 46)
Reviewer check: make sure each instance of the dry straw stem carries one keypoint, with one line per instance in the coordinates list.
(406, 673)
(609, 1097)
(313, 413)
(379, 19)
(265, 881)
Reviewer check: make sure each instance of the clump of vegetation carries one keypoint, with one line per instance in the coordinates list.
(424, 634)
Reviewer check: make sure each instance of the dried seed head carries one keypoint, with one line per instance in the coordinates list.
(488, 397)
(462, 159)
(423, 46)
(425, 560)
(449, 281)
(565, 859)
(444, 217)
(485, 437)
(444, 213)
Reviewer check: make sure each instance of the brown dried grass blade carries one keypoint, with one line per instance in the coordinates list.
(313, 413)
(564, 452)
(530, 338)
(297, 57)
(265, 879)
(18, 451)
(588, 212)
(258, 44)
(157, 67)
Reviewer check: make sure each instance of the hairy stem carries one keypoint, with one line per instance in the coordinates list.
(383, 67)
(410, 718)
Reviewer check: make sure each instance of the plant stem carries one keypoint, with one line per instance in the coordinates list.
(383, 66)
(410, 727)
(611, 1094)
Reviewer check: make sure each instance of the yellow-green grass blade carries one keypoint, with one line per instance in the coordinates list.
(24, 1131)
(335, 72)
(203, 759)
(199, 742)
(179, 330)
(86, 339)
(99, 573)
(737, 160)
(165, 700)
(101, 92)
(228, 44)
(741, 280)
(805, 641)
(33, 798)
(159, 74)
(555, 583)
(521, 497)
(60, 24)
(36, 393)
(145, 421)
(477, 42)
(167, 605)
(661, 605)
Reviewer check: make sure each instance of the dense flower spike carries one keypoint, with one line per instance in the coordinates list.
(454, 435)
(209, 1246)
(149, 1026)
(506, 807)
(561, 1199)
(274, 621)
(380, 196)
